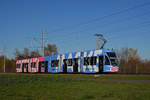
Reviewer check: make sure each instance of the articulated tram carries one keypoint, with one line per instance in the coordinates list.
(89, 61)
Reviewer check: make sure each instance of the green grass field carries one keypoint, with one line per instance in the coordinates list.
(67, 87)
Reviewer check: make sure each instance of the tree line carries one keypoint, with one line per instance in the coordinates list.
(10, 64)
(49, 50)
(129, 60)
(131, 63)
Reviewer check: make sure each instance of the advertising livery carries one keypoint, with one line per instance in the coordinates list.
(89, 61)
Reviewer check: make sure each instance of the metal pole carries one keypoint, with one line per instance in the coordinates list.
(4, 63)
(4, 59)
(43, 42)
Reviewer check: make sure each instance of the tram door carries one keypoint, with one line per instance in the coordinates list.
(40, 64)
(65, 65)
(46, 66)
(27, 67)
(75, 65)
(23, 68)
(100, 63)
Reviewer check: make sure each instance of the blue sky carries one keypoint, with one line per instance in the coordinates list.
(71, 24)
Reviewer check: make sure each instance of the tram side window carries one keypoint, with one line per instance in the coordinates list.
(93, 60)
(18, 66)
(65, 61)
(54, 63)
(107, 61)
(75, 61)
(23, 65)
(101, 60)
(69, 62)
(33, 64)
(111, 54)
(46, 63)
(42, 64)
(86, 60)
(26, 65)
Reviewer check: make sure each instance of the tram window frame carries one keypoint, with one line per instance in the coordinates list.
(26, 65)
(18, 65)
(33, 64)
(107, 62)
(23, 65)
(75, 61)
(55, 63)
(111, 54)
(42, 64)
(46, 63)
(101, 60)
(69, 62)
(93, 60)
(65, 61)
(86, 61)
(39, 63)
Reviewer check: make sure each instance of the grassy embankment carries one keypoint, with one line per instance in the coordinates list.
(66, 87)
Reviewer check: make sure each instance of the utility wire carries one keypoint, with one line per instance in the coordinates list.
(133, 27)
(103, 17)
(77, 33)
(109, 24)
(115, 22)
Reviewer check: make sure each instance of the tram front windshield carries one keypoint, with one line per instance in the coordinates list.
(113, 58)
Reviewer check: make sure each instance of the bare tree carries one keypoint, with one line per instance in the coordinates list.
(26, 53)
(50, 50)
(18, 54)
(35, 53)
(129, 60)
(128, 53)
